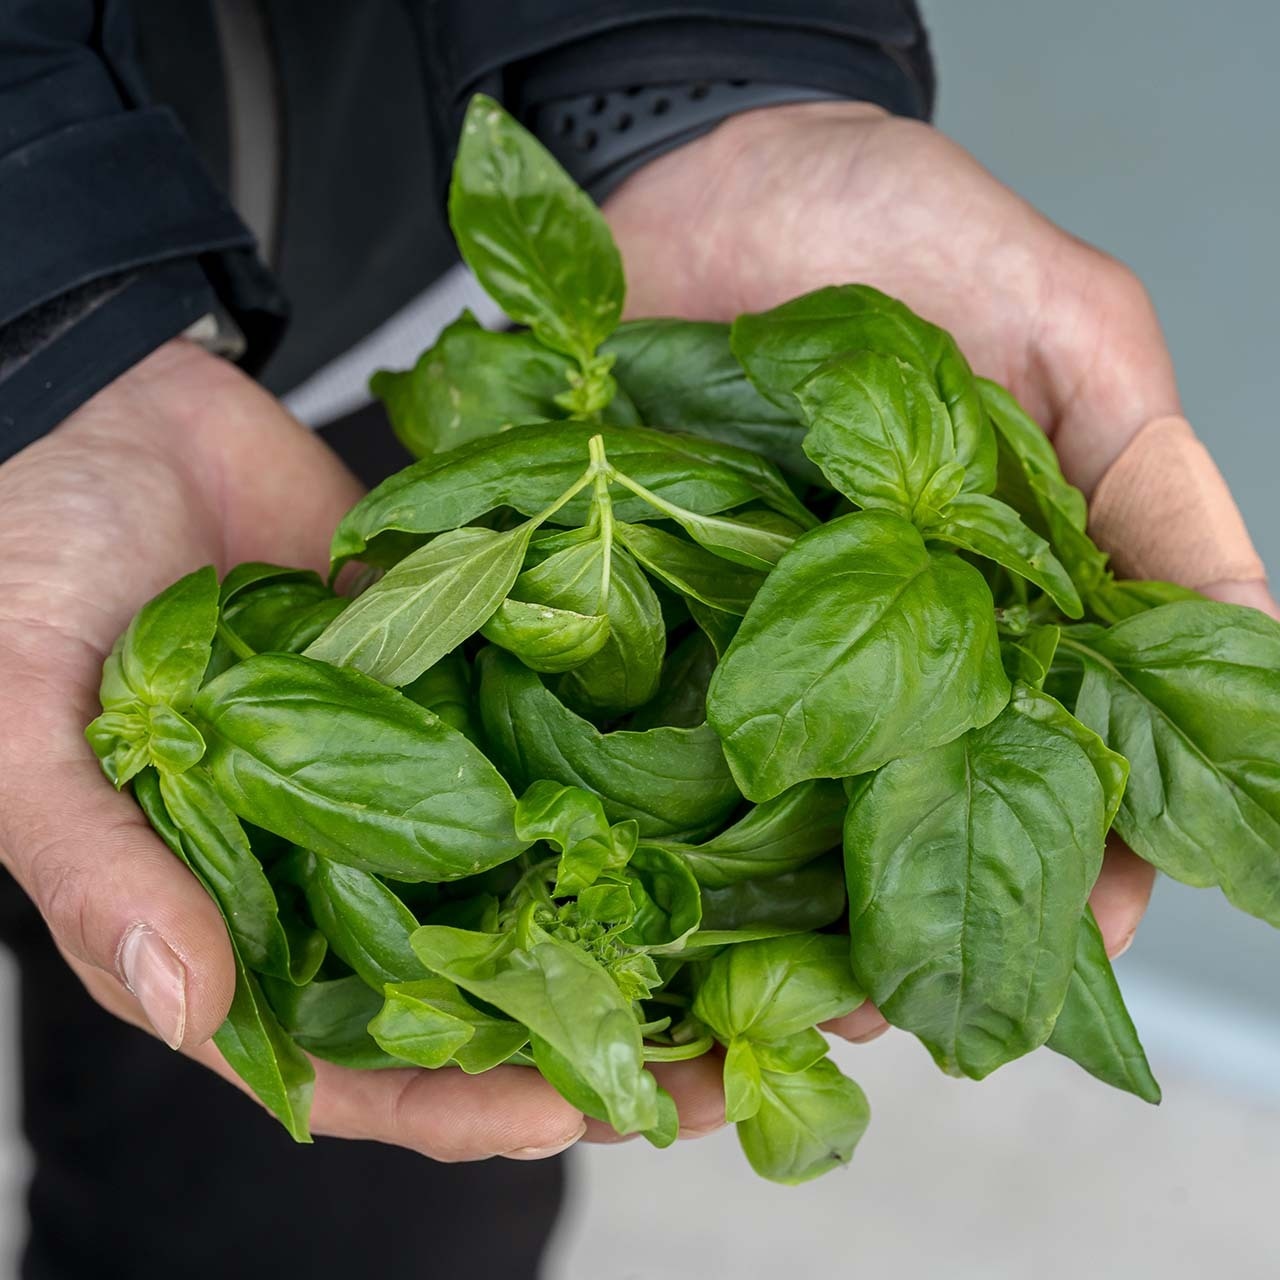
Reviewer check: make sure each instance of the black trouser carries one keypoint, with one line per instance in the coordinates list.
(149, 1167)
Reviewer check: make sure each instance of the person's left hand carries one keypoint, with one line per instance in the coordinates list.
(781, 201)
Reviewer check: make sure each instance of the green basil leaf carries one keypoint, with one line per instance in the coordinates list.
(987, 527)
(574, 821)
(120, 740)
(780, 348)
(1029, 657)
(163, 653)
(668, 904)
(718, 626)
(792, 1053)
(681, 700)
(810, 897)
(772, 989)
(173, 742)
(671, 781)
(330, 1020)
(528, 468)
(1113, 601)
(282, 616)
(969, 868)
(879, 432)
(366, 924)
(1189, 693)
(445, 690)
(426, 605)
(564, 998)
(742, 1092)
(781, 835)
(217, 848)
(682, 374)
(535, 241)
(624, 672)
(431, 1024)
(259, 1051)
(545, 638)
(808, 1123)
(689, 568)
(1094, 1027)
(861, 646)
(407, 796)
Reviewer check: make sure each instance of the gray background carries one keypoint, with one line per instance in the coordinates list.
(1149, 128)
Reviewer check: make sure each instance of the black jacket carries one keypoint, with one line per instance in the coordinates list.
(160, 159)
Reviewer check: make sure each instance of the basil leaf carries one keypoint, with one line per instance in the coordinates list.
(792, 1053)
(682, 374)
(719, 627)
(216, 847)
(880, 433)
(430, 1024)
(545, 638)
(426, 605)
(624, 672)
(1094, 1027)
(1113, 601)
(671, 781)
(666, 900)
(282, 615)
(987, 527)
(407, 796)
(681, 700)
(773, 989)
(535, 241)
(780, 348)
(574, 821)
(861, 646)
(529, 467)
(689, 568)
(969, 868)
(1029, 657)
(445, 690)
(259, 1051)
(808, 1123)
(742, 1093)
(163, 653)
(173, 742)
(1190, 693)
(330, 1020)
(781, 835)
(366, 924)
(564, 998)
(810, 897)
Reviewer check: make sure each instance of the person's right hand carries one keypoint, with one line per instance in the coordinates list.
(182, 462)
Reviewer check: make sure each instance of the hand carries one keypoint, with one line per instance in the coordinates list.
(777, 202)
(181, 462)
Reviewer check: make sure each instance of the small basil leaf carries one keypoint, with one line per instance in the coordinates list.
(690, 569)
(742, 1094)
(860, 604)
(536, 242)
(407, 797)
(330, 1020)
(808, 1123)
(545, 638)
(779, 348)
(574, 821)
(772, 989)
(1029, 657)
(878, 431)
(792, 1053)
(1094, 1027)
(173, 742)
(668, 905)
(671, 781)
(1113, 601)
(987, 527)
(564, 998)
(120, 741)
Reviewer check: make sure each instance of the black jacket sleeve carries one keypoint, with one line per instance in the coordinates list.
(114, 236)
(607, 84)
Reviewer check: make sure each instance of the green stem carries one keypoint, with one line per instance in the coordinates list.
(604, 505)
(678, 1052)
(654, 1028)
(234, 643)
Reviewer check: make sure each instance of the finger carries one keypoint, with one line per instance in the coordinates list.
(864, 1024)
(1256, 594)
(1119, 899)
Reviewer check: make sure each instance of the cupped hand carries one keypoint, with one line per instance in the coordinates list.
(781, 201)
(180, 463)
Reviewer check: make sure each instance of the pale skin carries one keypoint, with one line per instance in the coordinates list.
(184, 461)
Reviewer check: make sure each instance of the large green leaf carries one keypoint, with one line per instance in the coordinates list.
(1189, 692)
(969, 868)
(405, 795)
(861, 646)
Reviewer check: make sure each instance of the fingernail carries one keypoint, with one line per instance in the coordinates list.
(1125, 945)
(157, 978)
(868, 1036)
(543, 1153)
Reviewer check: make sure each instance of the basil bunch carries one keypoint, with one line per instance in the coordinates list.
(710, 681)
